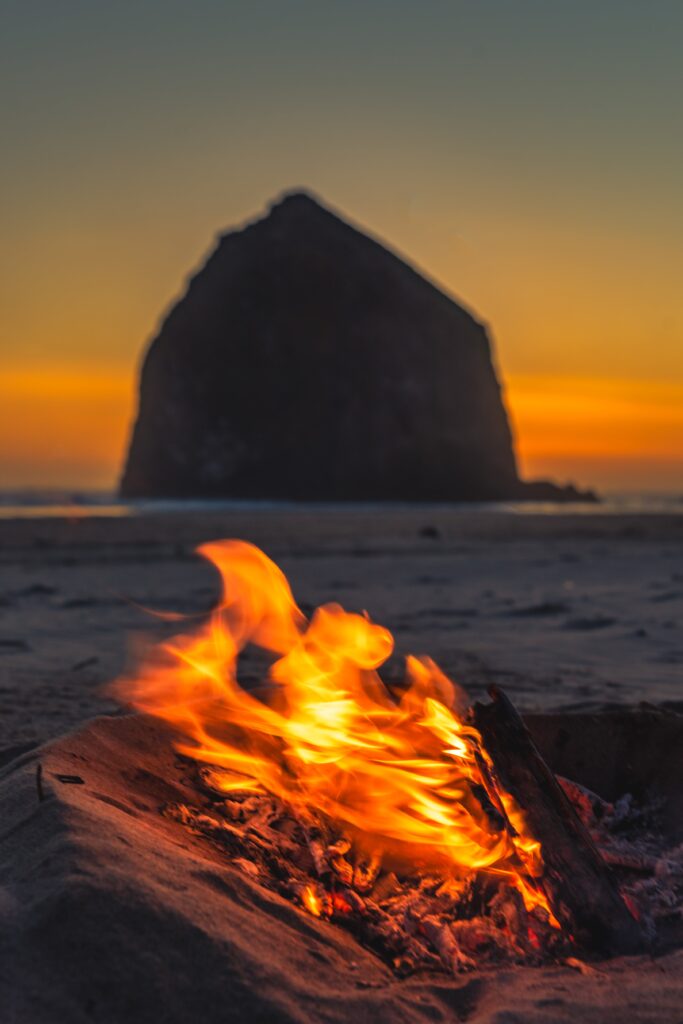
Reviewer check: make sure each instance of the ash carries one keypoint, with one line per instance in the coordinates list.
(415, 920)
(423, 920)
(632, 839)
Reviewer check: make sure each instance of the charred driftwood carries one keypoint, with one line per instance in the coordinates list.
(579, 885)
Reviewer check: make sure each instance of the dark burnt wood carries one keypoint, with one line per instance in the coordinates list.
(579, 885)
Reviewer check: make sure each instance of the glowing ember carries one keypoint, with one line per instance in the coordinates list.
(311, 901)
(403, 772)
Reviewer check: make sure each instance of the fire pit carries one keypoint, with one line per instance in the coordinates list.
(434, 832)
(113, 911)
(326, 845)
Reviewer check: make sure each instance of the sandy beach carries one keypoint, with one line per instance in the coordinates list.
(341, 514)
(565, 611)
(131, 915)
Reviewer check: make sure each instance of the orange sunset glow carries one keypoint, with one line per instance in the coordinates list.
(532, 176)
(63, 427)
(70, 427)
(622, 433)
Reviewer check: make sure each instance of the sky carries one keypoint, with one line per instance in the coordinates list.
(527, 156)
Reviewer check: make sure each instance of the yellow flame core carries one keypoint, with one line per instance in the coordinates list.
(311, 901)
(397, 771)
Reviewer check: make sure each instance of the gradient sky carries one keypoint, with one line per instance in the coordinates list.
(527, 155)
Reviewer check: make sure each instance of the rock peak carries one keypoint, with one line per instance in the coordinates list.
(299, 197)
(306, 361)
(303, 205)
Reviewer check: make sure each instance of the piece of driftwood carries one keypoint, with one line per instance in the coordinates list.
(579, 885)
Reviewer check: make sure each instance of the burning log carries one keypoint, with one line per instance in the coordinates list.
(578, 884)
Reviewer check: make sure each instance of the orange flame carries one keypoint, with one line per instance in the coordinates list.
(311, 901)
(398, 771)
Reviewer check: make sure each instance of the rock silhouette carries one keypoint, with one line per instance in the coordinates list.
(306, 361)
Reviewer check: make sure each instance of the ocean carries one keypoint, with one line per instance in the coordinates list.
(32, 503)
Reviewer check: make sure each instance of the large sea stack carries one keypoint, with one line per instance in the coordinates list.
(306, 361)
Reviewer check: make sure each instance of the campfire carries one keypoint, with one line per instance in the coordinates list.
(432, 830)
